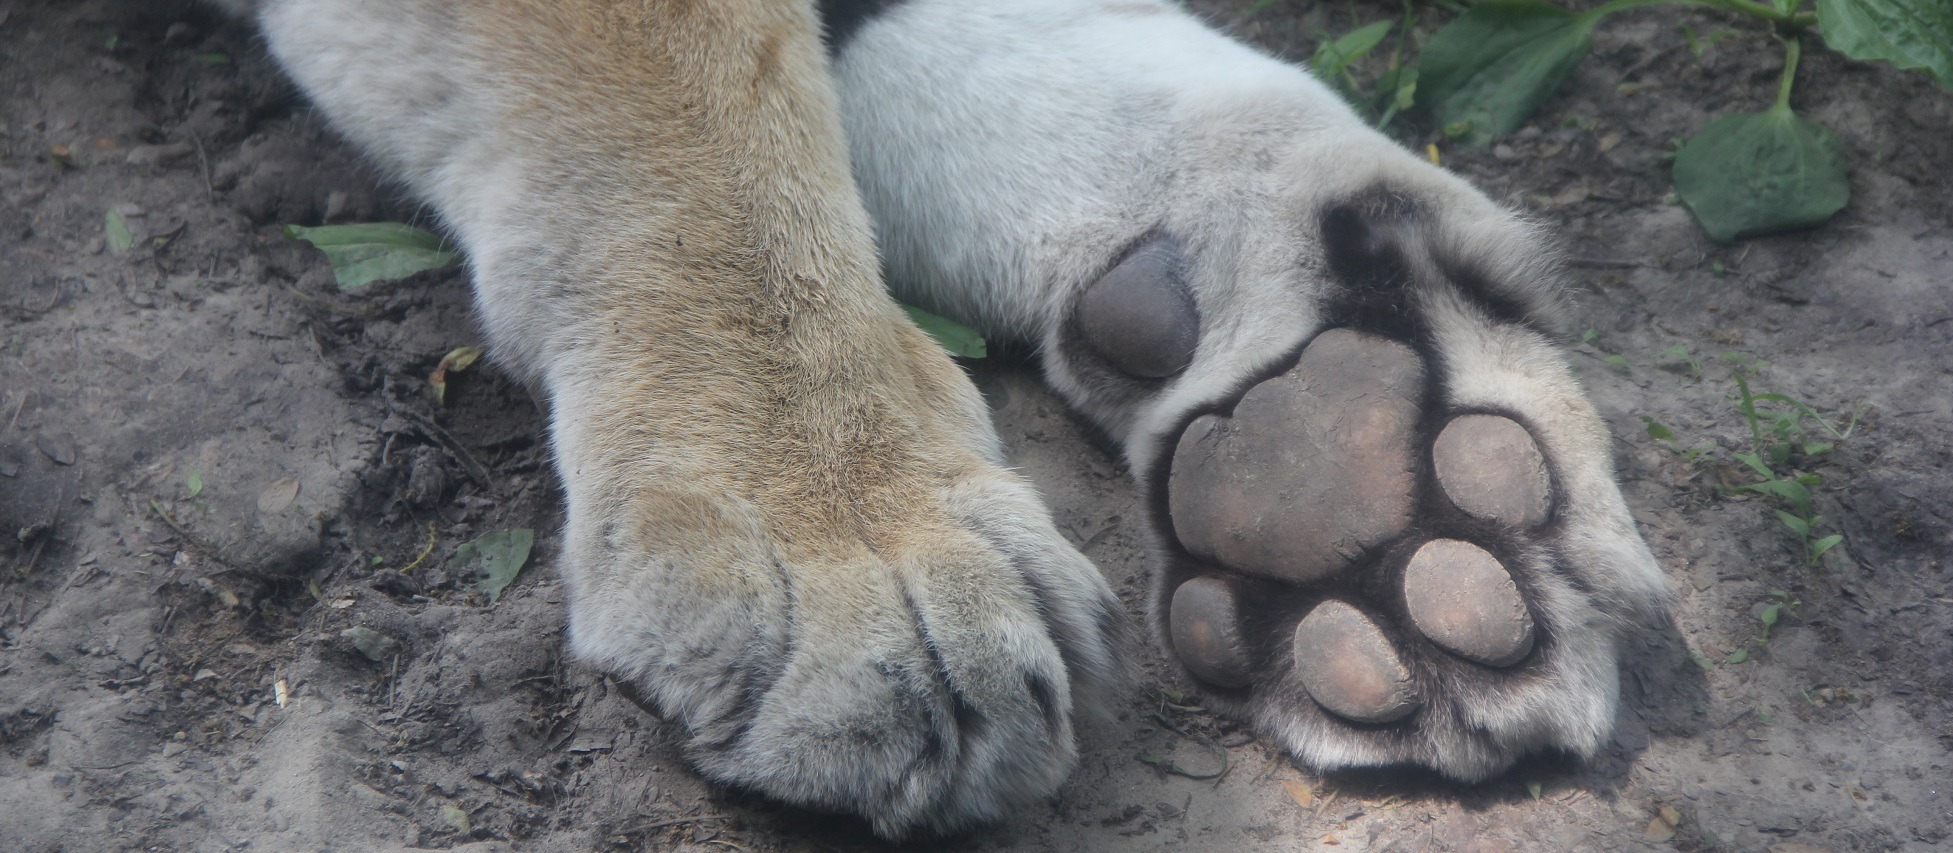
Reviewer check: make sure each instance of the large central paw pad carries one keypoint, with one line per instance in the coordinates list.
(1368, 575)
(1314, 468)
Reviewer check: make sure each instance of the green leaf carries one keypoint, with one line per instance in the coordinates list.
(1334, 56)
(1701, 660)
(500, 556)
(376, 251)
(1822, 545)
(1797, 525)
(1759, 173)
(1737, 656)
(1769, 615)
(955, 337)
(116, 230)
(1658, 431)
(195, 482)
(213, 58)
(1906, 33)
(1486, 72)
(1756, 463)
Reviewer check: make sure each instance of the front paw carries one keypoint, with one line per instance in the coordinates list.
(915, 653)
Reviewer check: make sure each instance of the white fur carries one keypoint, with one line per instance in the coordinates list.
(1008, 150)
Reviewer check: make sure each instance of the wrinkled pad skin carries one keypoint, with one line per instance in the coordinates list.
(1313, 469)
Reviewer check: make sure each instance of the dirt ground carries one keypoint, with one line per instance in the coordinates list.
(213, 465)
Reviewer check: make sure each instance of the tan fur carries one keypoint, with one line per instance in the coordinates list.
(787, 520)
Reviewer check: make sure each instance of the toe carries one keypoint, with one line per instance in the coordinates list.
(1205, 623)
(1350, 668)
(1491, 468)
(1463, 599)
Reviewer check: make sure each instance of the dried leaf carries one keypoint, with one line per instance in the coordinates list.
(1302, 794)
(455, 817)
(116, 230)
(377, 647)
(457, 360)
(278, 496)
(1659, 830)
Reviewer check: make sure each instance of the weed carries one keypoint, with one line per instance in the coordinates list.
(1481, 76)
(1787, 436)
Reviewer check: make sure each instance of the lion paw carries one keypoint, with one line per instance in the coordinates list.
(1400, 543)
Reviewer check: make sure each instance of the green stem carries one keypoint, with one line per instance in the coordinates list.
(1751, 8)
(1793, 49)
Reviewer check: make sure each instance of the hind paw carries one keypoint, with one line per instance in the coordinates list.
(1377, 577)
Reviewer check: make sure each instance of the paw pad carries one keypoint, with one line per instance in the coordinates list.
(1311, 470)
(1464, 600)
(1490, 468)
(1349, 667)
(1205, 622)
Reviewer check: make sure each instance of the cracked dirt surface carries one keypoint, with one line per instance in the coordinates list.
(174, 668)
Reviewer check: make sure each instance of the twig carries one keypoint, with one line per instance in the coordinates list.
(189, 538)
(431, 539)
(433, 430)
(17, 407)
(209, 191)
(1603, 264)
(677, 821)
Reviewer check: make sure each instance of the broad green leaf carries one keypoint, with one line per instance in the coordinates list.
(376, 251)
(1906, 33)
(1758, 173)
(195, 482)
(1335, 55)
(1797, 525)
(955, 337)
(1737, 656)
(116, 230)
(500, 556)
(1769, 615)
(1482, 75)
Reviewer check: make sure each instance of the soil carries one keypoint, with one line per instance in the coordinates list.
(214, 466)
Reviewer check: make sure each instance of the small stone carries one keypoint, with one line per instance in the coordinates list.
(1313, 469)
(1461, 597)
(1490, 467)
(1349, 668)
(1205, 624)
(59, 446)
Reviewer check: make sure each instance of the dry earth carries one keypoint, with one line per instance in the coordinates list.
(174, 672)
